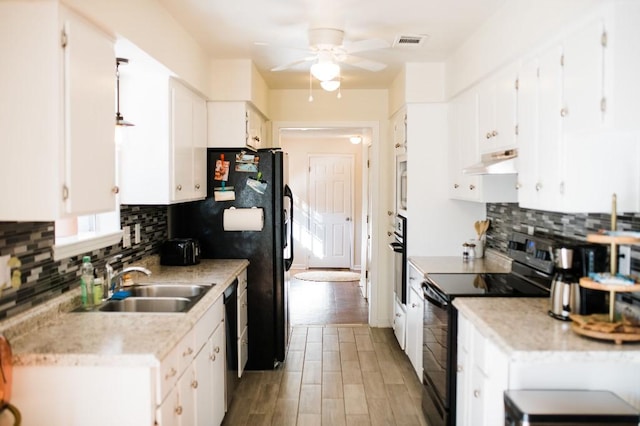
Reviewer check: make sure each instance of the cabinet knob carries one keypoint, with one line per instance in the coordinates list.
(476, 393)
(115, 190)
(389, 213)
(472, 187)
(538, 186)
(488, 136)
(179, 410)
(212, 357)
(188, 352)
(389, 233)
(197, 186)
(494, 133)
(194, 384)
(257, 139)
(397, 315)
(179, 187)
(456, 186)
(460, 369)
(413, 305)
(564, 112)
(170, 374)
(518, 186)
(217, 349)
(398, 145)
(65, 192)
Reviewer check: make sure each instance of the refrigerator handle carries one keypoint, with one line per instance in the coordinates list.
(288, 239)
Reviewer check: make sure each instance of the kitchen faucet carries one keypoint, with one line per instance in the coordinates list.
(115, 284)
(117, 278)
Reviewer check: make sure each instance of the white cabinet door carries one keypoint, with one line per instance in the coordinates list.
(243, 335)
(218, 369)
(400, 323)
(583, 66)
(414, 329)
(235, 124)
(399, 131)
(181, 142)
(168, 414)
(528, 133)
(59, 123)
(497, 112)
(199, 147)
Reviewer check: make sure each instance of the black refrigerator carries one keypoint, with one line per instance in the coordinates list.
(246, 179)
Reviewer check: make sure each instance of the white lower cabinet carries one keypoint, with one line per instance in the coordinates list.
(400, 323)
(415, 313)
(243, 323)
(484, 372)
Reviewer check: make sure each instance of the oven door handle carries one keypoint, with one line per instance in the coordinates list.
(428, 290)
(397, 247)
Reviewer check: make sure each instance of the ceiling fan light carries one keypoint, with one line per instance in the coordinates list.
(330, 85)
(325, 71)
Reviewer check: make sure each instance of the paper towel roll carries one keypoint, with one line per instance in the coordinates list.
(243, 219)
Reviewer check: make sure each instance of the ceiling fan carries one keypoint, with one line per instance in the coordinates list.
(328, 51)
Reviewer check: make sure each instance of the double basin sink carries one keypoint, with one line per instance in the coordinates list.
(155, 298)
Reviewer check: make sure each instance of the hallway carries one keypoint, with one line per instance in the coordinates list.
(326, 303)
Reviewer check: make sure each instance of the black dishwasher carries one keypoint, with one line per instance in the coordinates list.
(231, 331)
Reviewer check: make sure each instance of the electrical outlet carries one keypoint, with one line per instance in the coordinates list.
(126, 237)
(624, 260)
(530, 230)
(136, 234)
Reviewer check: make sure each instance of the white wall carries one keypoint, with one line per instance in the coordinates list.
(299, 151)
(517, 26)
(149, 26)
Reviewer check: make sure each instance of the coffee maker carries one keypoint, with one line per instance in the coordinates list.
(571, 263)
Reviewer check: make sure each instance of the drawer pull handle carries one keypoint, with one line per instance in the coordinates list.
(188, 352)
(194, 384)
(179, 410)
(170, 374)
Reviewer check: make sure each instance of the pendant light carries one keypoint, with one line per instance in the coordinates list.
(120, 121)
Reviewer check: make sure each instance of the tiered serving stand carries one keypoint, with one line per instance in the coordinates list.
(614, 239)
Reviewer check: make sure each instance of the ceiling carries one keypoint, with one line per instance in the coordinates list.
(274, 32)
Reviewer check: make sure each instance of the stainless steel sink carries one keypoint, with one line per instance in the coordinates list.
(167, 290)
(149, 298)
(148, 304)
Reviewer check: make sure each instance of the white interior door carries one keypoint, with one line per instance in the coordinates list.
(330, 211)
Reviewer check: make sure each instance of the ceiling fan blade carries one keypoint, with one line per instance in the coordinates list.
(364, 45)
(363, 63)
(292, 64)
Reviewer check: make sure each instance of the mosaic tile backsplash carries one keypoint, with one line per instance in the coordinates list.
(43, 278)
(508, 217)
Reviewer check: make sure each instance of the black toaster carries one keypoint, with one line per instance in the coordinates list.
(180, 252)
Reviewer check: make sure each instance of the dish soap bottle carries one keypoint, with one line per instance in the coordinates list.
(86, 283)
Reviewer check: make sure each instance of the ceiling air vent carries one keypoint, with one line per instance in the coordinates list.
(410, 41)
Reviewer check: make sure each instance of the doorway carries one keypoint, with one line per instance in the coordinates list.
(328, 175)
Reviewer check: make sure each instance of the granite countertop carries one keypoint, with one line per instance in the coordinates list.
(492, 262)
(523, 330)
(52, 335)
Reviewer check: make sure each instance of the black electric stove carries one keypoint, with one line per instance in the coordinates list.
(530, 276)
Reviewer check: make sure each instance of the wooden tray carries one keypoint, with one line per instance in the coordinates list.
(618, 338)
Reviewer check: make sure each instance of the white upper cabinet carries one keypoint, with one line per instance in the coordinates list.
(57, 114)
(576, 146)
(163, 156)
(464, 151)
(497, 99)
(236, 124)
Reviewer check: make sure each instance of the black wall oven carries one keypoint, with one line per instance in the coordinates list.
(399, 248)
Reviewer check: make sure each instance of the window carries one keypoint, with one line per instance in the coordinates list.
(82, 234)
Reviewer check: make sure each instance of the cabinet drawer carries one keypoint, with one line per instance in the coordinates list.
(168, 374)
(242, 312)
(208, 323)
(187, 351)
(242, 281)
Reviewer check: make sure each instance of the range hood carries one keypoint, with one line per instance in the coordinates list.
(494, 163)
